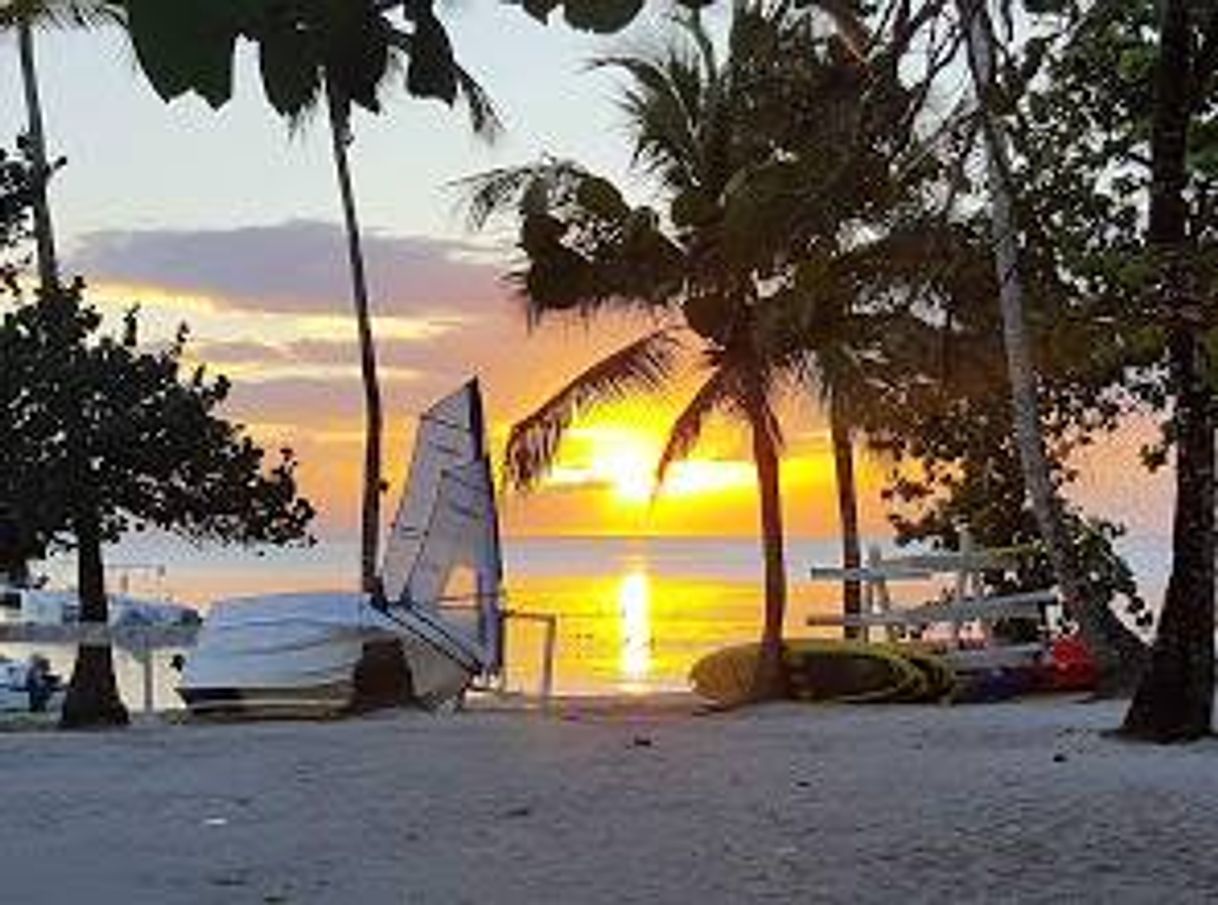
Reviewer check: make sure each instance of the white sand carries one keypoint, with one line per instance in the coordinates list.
(783, 804)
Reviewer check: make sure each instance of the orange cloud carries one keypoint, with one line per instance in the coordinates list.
(268, 306)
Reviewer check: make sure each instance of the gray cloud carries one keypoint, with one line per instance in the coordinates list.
(300, 268)
(297, 267)
(447, 356)
(309, 403)
(240, 352)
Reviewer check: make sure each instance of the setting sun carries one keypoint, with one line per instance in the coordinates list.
(629, 470)
(619, 458)
(622, 458)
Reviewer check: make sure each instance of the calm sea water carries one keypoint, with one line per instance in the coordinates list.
(633, 613)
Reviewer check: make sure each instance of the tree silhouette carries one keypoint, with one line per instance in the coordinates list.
(16, 547)
(1175, 699)
(16, 198)
(762, 162)
(103, 437)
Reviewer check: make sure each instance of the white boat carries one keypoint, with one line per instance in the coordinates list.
(43, 606)
(433, 630)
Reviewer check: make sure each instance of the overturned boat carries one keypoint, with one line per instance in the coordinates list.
(434, 628)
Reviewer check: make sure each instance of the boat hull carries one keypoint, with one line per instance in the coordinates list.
(320, 700)
(322, 655)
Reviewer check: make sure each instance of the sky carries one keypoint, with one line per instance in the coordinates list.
(228, 220)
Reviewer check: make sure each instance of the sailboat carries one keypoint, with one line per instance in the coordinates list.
(431, 630)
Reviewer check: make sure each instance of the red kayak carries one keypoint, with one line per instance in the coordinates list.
(1071, 666)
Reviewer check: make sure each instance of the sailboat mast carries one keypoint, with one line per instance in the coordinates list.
(488, 582)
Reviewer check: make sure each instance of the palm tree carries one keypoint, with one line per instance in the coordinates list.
(1117, 651)
(338, 104)
(746, 270)
(854, 191)
(590, 252)
(24, 16)
(738, 381)
(339, 56)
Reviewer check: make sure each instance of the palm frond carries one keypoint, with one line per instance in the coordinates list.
(848, 22)
(61, 13)
(702, 41)
(586, 248)
(686, 430)
(300, 120)
(641, 367)
(657, 112)
(500, 191)
(483, 118)
(739, 387)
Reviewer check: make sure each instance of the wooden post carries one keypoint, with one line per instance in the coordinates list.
(503, 650)
(547, 667)
(145, 648)
(878, 598)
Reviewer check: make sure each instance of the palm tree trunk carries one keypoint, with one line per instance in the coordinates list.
(1175, 700)
(370, 524)
(92, 698)
(847, 507)
(44, 235)
(770, 682)
(1118, 653)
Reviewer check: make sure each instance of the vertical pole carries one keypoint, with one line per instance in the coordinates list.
(966, 577)
(503, 649)
(547, 667)
(146, 660)
(878, 598)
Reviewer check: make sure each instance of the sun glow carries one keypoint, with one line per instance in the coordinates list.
(621, 460)
(706, 476)
(630, 471)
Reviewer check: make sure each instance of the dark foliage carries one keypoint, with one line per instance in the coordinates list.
(103, 437)
(16, 195)
(351, 47)
(99, 425)
(770, 164)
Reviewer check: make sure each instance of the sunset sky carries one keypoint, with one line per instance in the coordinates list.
(229, 221)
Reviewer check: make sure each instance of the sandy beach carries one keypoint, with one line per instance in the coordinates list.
(1018, 802)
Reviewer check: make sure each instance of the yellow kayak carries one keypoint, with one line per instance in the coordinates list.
(828, 671)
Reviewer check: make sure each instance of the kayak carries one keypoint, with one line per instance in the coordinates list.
(847, 672)
(938, 673)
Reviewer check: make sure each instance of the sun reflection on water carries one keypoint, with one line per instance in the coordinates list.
(634, 603)
(629, 624)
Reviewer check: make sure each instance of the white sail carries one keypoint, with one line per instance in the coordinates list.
(450, 433)
(462, 538)
(307, 652)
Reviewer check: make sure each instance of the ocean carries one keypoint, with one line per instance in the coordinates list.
(632, 613)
